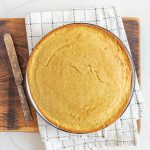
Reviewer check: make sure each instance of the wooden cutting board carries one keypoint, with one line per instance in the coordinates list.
(11, 114)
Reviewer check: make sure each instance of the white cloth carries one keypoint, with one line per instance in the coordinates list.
(124, 130)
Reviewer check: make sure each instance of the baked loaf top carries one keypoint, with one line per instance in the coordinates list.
(80, 77)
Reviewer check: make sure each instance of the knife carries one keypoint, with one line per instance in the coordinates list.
(17, 75)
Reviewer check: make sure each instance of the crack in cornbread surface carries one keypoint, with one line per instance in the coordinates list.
(80, 77)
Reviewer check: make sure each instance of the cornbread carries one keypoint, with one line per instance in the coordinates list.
(80, 77)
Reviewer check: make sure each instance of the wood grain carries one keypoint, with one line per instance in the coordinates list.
(11, 114)
(132, 27)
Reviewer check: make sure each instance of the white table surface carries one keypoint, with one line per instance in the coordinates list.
(133, 8)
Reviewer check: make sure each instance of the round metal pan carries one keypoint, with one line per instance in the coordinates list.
(132, 86)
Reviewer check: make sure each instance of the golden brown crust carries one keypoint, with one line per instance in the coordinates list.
(82, 130)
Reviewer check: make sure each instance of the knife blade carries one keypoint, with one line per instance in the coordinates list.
(17, 75)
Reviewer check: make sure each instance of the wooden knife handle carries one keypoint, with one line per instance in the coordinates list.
(13, 58)
(24, 103)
